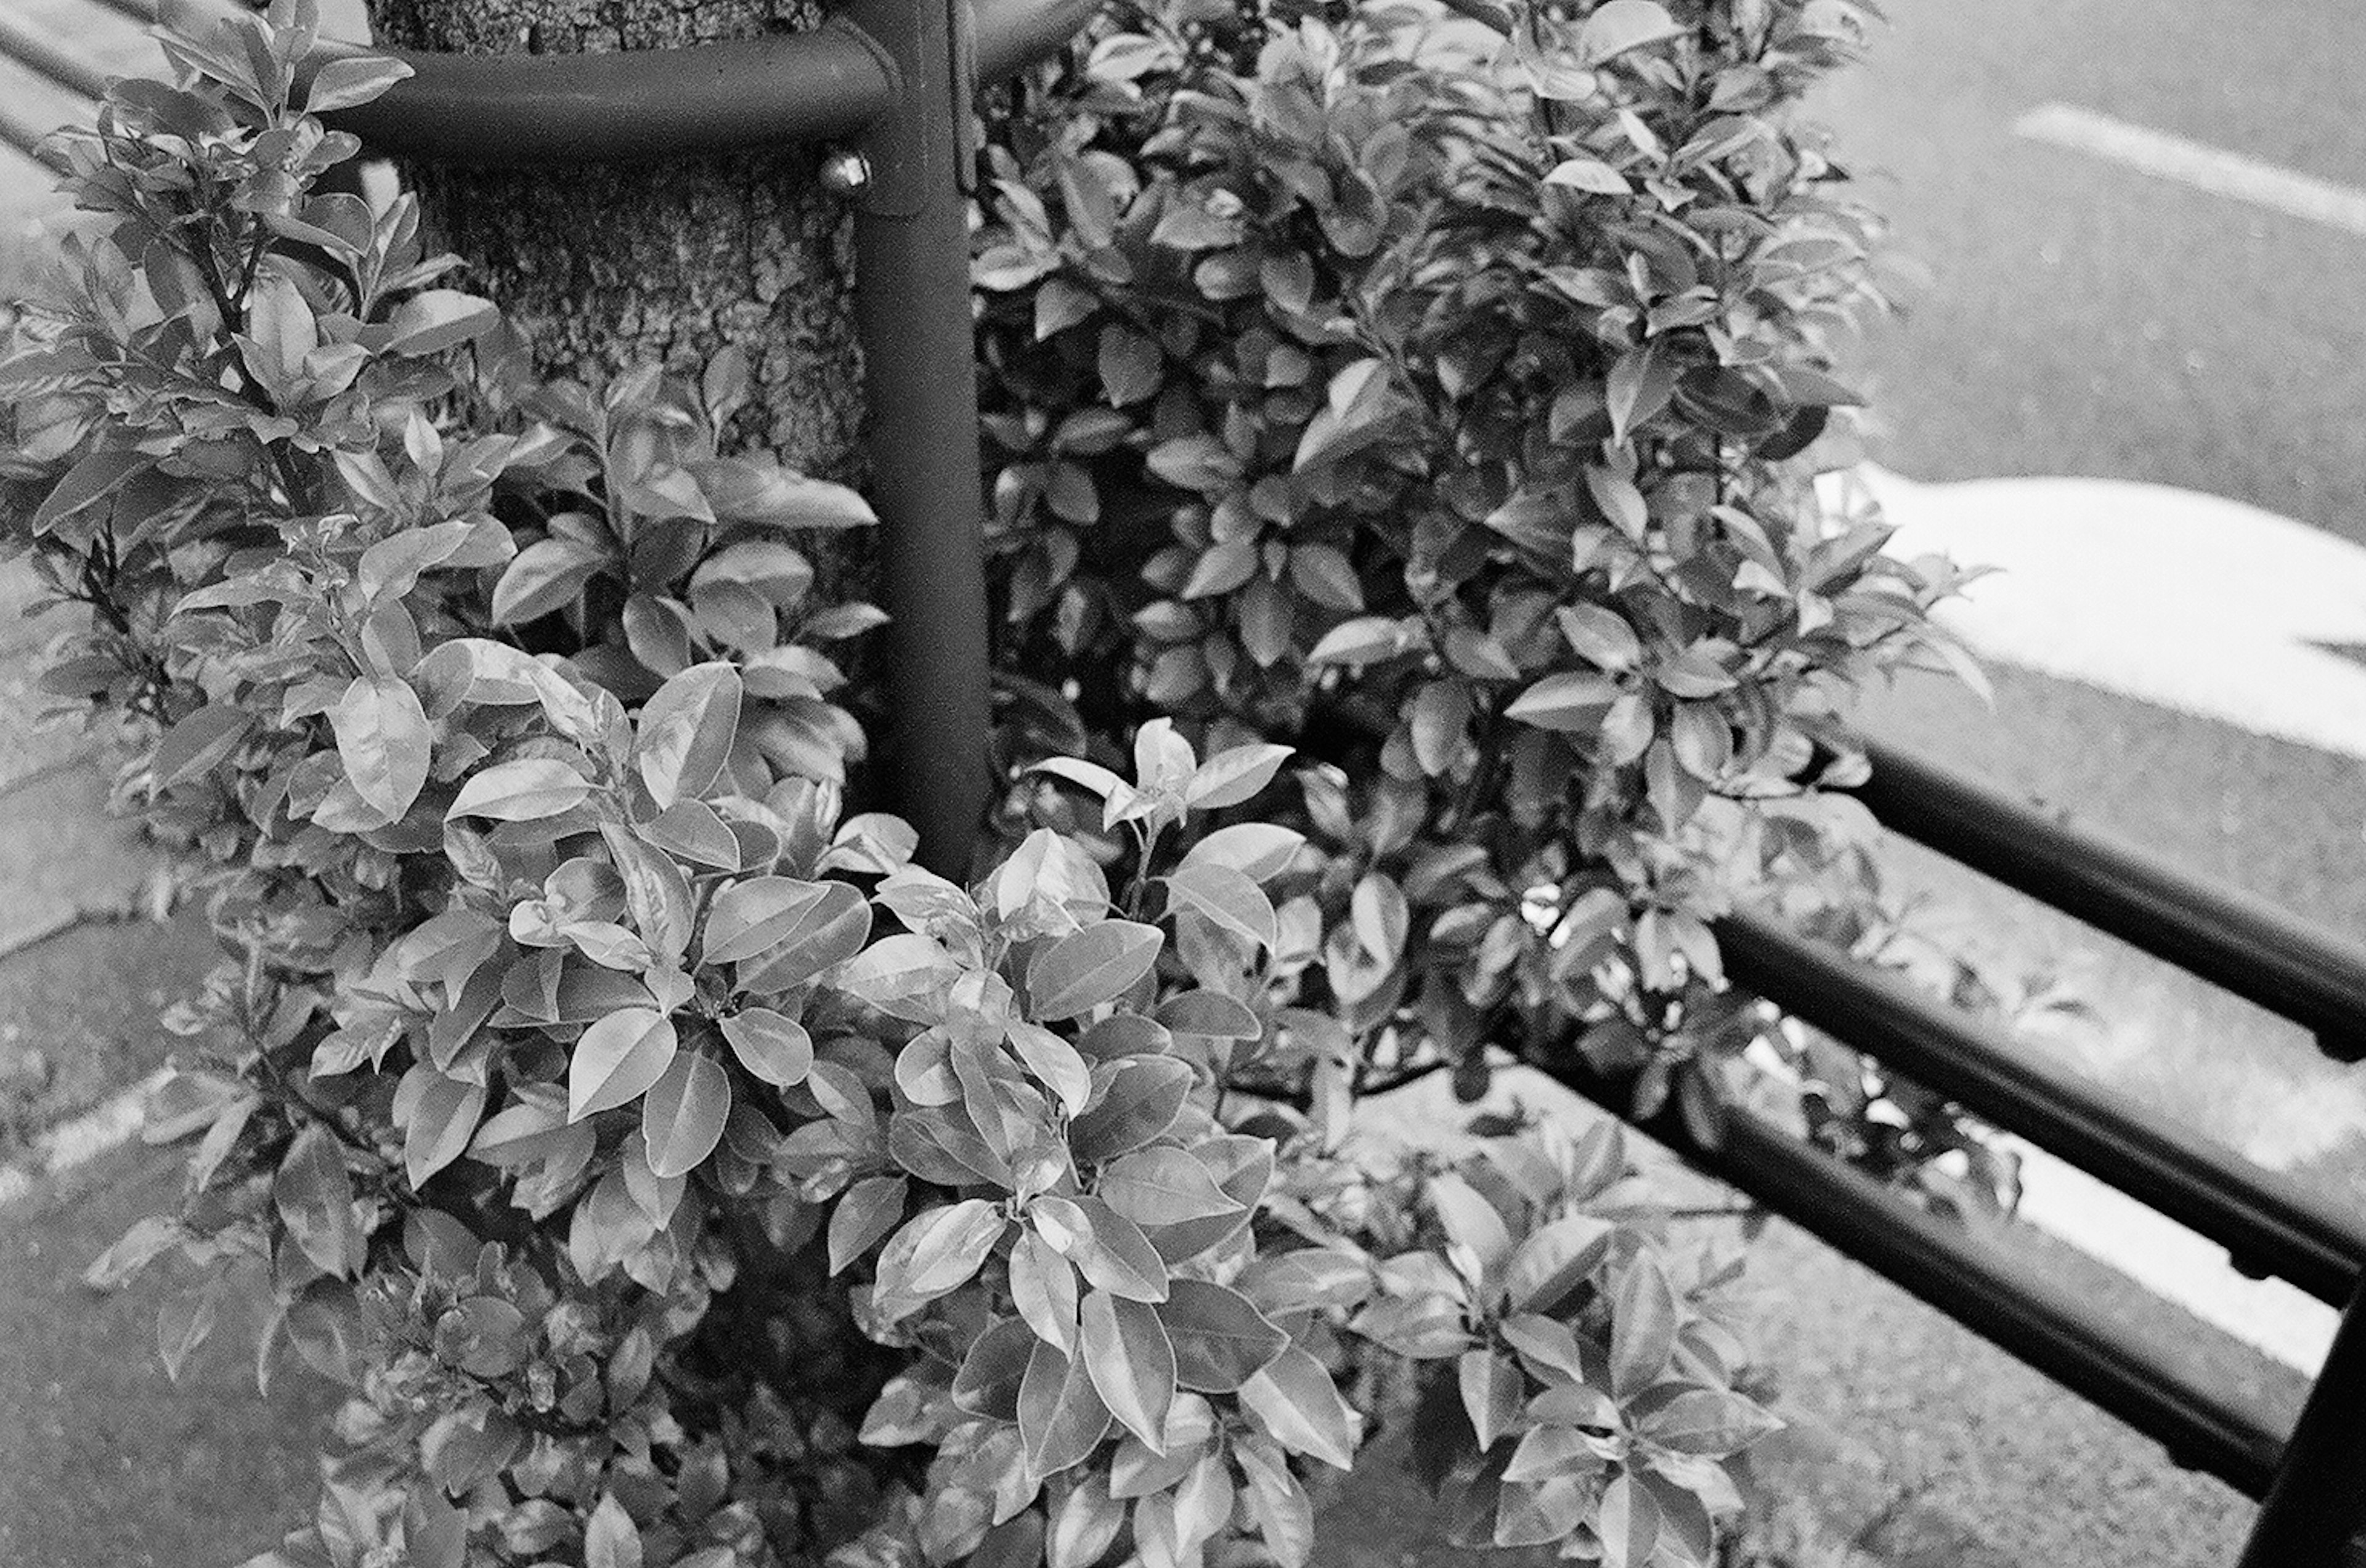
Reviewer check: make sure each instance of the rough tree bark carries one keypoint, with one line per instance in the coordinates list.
(607, 268)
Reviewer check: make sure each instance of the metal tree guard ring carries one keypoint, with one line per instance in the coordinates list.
(896, 78)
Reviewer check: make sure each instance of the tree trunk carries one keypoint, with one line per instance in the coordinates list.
(605, 267)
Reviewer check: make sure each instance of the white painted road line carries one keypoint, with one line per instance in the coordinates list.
(2196, 163)
(2173, 1262)
(109, 1124)
(2173, 597)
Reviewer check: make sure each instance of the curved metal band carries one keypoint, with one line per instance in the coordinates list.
(551, 109)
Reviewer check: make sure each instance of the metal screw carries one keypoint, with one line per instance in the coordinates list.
(845, 173)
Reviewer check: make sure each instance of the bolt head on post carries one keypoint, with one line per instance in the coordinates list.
(845, 173)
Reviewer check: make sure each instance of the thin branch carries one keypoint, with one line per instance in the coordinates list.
(1400, 1078)
(1714, 1212)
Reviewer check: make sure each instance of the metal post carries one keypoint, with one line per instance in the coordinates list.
(912, 294)
(2314, 1515)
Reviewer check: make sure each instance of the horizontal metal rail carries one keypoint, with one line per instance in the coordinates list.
(550, 109)
(2266, 1222)
(529, 110)
(2241, 943)
(36, 53)
(2226, 1429)
(27, 138)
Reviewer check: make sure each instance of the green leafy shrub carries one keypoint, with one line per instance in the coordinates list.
(562, 1088)
(1444, 413)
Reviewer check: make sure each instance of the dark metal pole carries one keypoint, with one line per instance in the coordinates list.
(27, 138)
(2314, 1515)
(912, 298)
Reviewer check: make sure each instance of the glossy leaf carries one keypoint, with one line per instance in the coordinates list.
(904, 976)
(868, 1211)
(989, 1381)
(1125, 1348)
(443, 1120)
(384, 740)
(938, 1250)
(1551, 1262)
(752, 917)
(1142, 1097)
(1043, 1290)
(1061, 1416)
(1627, 1521)
(683, 1112)
(771, 1045)
(1643, 1324)
(1571, 702)
(1108, 1249)
(439, 319)
(200, 743)
(1221, 1339)
(1083, 970)
(1229, 898)
(1084, 1523)
(1295, 1401)
(314, 1195)
(1713, 1422)
(617, 1059)
(1258, 850)
(1233, 777)
(523, 790)
(1492, 1388)
(1162, 1187)
(686, 731)
(1278, 1507)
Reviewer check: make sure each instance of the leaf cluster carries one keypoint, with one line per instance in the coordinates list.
(1440, 392)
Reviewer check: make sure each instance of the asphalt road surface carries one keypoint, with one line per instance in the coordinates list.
(2078, 317)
